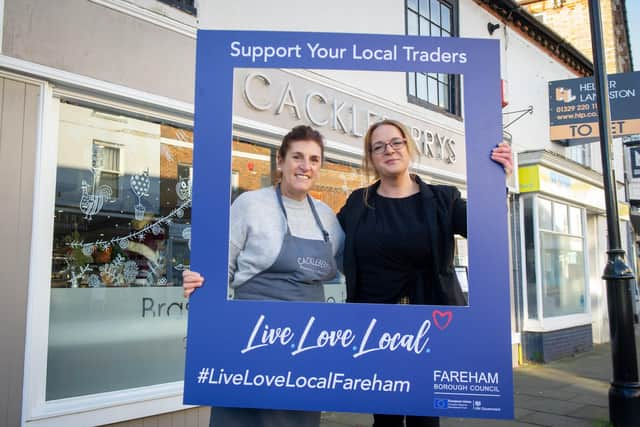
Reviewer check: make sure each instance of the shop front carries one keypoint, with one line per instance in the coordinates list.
(564, 239)
(108, 319)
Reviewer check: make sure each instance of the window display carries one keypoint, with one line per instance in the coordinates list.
(562, 260)
(122, 234)
(121, 240)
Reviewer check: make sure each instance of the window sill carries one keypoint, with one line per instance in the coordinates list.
(106, 408)
(550, 324)
(424, 104)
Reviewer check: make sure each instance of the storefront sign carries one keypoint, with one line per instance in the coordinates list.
(541, 179)
(573, 110)
(286, 100)
(349, 357)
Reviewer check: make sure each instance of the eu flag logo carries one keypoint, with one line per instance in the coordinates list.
(440, 403)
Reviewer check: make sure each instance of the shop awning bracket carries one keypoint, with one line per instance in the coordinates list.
(521, 113)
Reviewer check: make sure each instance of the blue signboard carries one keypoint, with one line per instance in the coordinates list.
(573, 110)
(395, 359)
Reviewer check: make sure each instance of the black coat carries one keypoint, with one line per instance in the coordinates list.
(446, 215)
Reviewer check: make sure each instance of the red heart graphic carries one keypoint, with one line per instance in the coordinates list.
(442, 319)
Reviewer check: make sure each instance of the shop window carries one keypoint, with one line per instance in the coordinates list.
(563, 275)
(251, 167)
(188, 6)
(121, 240)
(544, 213)
(560, 219)
(575, 221)
(530, 258)
(580, 154)
(562, 260)
(336, 182)
(235, 181)
(435, 18)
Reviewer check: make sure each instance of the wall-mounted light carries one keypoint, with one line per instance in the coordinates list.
(492, 27)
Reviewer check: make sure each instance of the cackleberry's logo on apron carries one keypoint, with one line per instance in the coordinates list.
(313, 264)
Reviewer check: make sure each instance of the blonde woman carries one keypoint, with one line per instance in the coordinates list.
(399, 234)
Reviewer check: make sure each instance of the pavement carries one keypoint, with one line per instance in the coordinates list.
(571, 392)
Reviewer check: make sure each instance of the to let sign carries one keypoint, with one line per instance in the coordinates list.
(573, 109)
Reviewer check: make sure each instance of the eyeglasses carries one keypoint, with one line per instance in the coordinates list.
(396, 144)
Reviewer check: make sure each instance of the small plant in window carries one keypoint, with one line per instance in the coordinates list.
(140, 185)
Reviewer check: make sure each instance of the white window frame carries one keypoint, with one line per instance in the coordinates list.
(105, 144)
(573, 150)
(454, 96)
(95, 409)
(547, 324)
(155, 12)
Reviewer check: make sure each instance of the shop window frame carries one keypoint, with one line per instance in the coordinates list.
(107, 407)
(93, 409)
(536, 262)
(541, 323)
(455, 84)
(156, 12)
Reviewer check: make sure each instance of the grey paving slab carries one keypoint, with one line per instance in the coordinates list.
(554, 420)
(520, 413)
(552, 406)
(596, 390)
(325, 423)
(464, 422)
(561, 393)
(592, 399)
(591, 412)
(346, 419)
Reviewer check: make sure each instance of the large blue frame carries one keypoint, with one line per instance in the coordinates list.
(457, 364)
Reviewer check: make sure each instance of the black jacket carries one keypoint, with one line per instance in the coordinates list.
(446, 215)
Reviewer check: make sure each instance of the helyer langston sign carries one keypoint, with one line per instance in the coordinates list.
(573, 109)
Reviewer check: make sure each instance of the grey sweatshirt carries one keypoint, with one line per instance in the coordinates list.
(257, 227)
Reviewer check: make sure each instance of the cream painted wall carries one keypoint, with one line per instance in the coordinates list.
(95, 41)
(138, 140)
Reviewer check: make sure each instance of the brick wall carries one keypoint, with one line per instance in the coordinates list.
(548, 346)
(570, 19)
